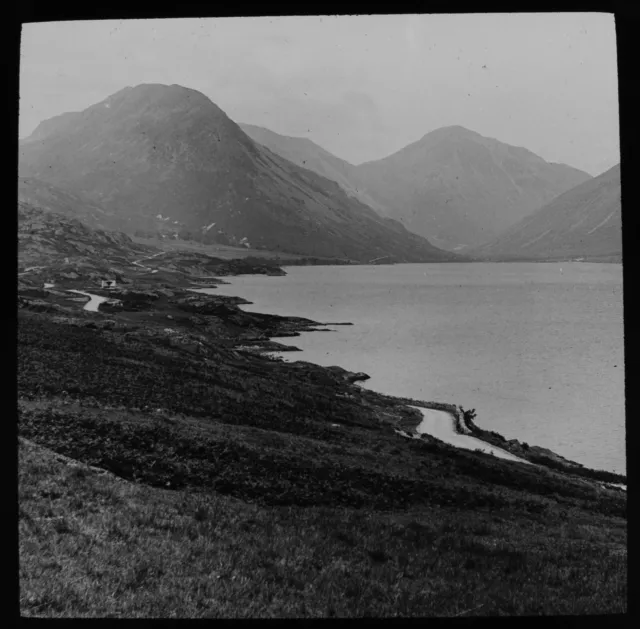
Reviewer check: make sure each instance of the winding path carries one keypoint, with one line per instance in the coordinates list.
(441, 424)
(142, 266)
(618, 485)
(31, 268)
(94, 301)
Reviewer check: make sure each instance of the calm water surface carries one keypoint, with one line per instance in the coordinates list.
(536, 349)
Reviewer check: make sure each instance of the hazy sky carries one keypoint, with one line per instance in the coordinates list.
(362, 87)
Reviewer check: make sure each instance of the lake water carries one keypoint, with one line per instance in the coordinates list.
(537, 349)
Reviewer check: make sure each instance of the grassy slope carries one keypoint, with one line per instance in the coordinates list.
(264, 256)
(224, 252)
(94, 545)
(284, 480)
(239, 473)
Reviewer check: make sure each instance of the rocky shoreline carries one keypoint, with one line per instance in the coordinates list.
(164, 418)
(169, 308)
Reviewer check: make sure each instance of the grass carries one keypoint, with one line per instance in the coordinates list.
(232, 494)
(250, 427)
(329, 466)
(94, 545)
(228, 252)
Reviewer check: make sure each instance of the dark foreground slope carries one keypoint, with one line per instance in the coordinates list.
(240, 485)
(585, 222)
(93, 544)
(156, 155)
(259, 488)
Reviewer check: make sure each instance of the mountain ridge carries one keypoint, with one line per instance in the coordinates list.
(584, 222)
(166, 151)
(462, 187)
(451, 201)
(307, 154)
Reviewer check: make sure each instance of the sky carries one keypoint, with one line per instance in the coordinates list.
(362, 87)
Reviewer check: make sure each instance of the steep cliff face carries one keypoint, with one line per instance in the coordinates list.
(157, 152)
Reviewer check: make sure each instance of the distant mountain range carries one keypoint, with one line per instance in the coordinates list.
(454, 186)
(584, 222)
(157, 155)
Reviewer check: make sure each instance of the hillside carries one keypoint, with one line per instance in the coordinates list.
(459, 188)
(308, 154)
(170, 466)
(58, 250)
(38, 193)
(154, 154)
(584, 222)
(48, 238)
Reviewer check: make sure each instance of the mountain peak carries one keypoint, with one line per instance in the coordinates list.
(153, 100)
(451, 131)
(165, 159)
(158, 94)
(156, 90)
(462, 188)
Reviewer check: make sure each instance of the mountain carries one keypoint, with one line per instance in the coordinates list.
(584, 222)
(308, 154)
(454, 186)
(156, 153)
(459, 188)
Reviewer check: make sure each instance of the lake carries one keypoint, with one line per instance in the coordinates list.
(537, 349)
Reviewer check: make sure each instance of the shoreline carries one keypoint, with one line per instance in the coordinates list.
(451, 434)
(239, 484)
(94, 302)
(279, 326)
(465, 426)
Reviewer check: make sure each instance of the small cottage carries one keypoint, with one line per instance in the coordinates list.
(108, 284)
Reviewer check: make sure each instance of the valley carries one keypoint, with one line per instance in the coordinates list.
(173, 464)
(453, 186)
(205, 179)
(163, 396)
(583, 223)
(245, 191)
